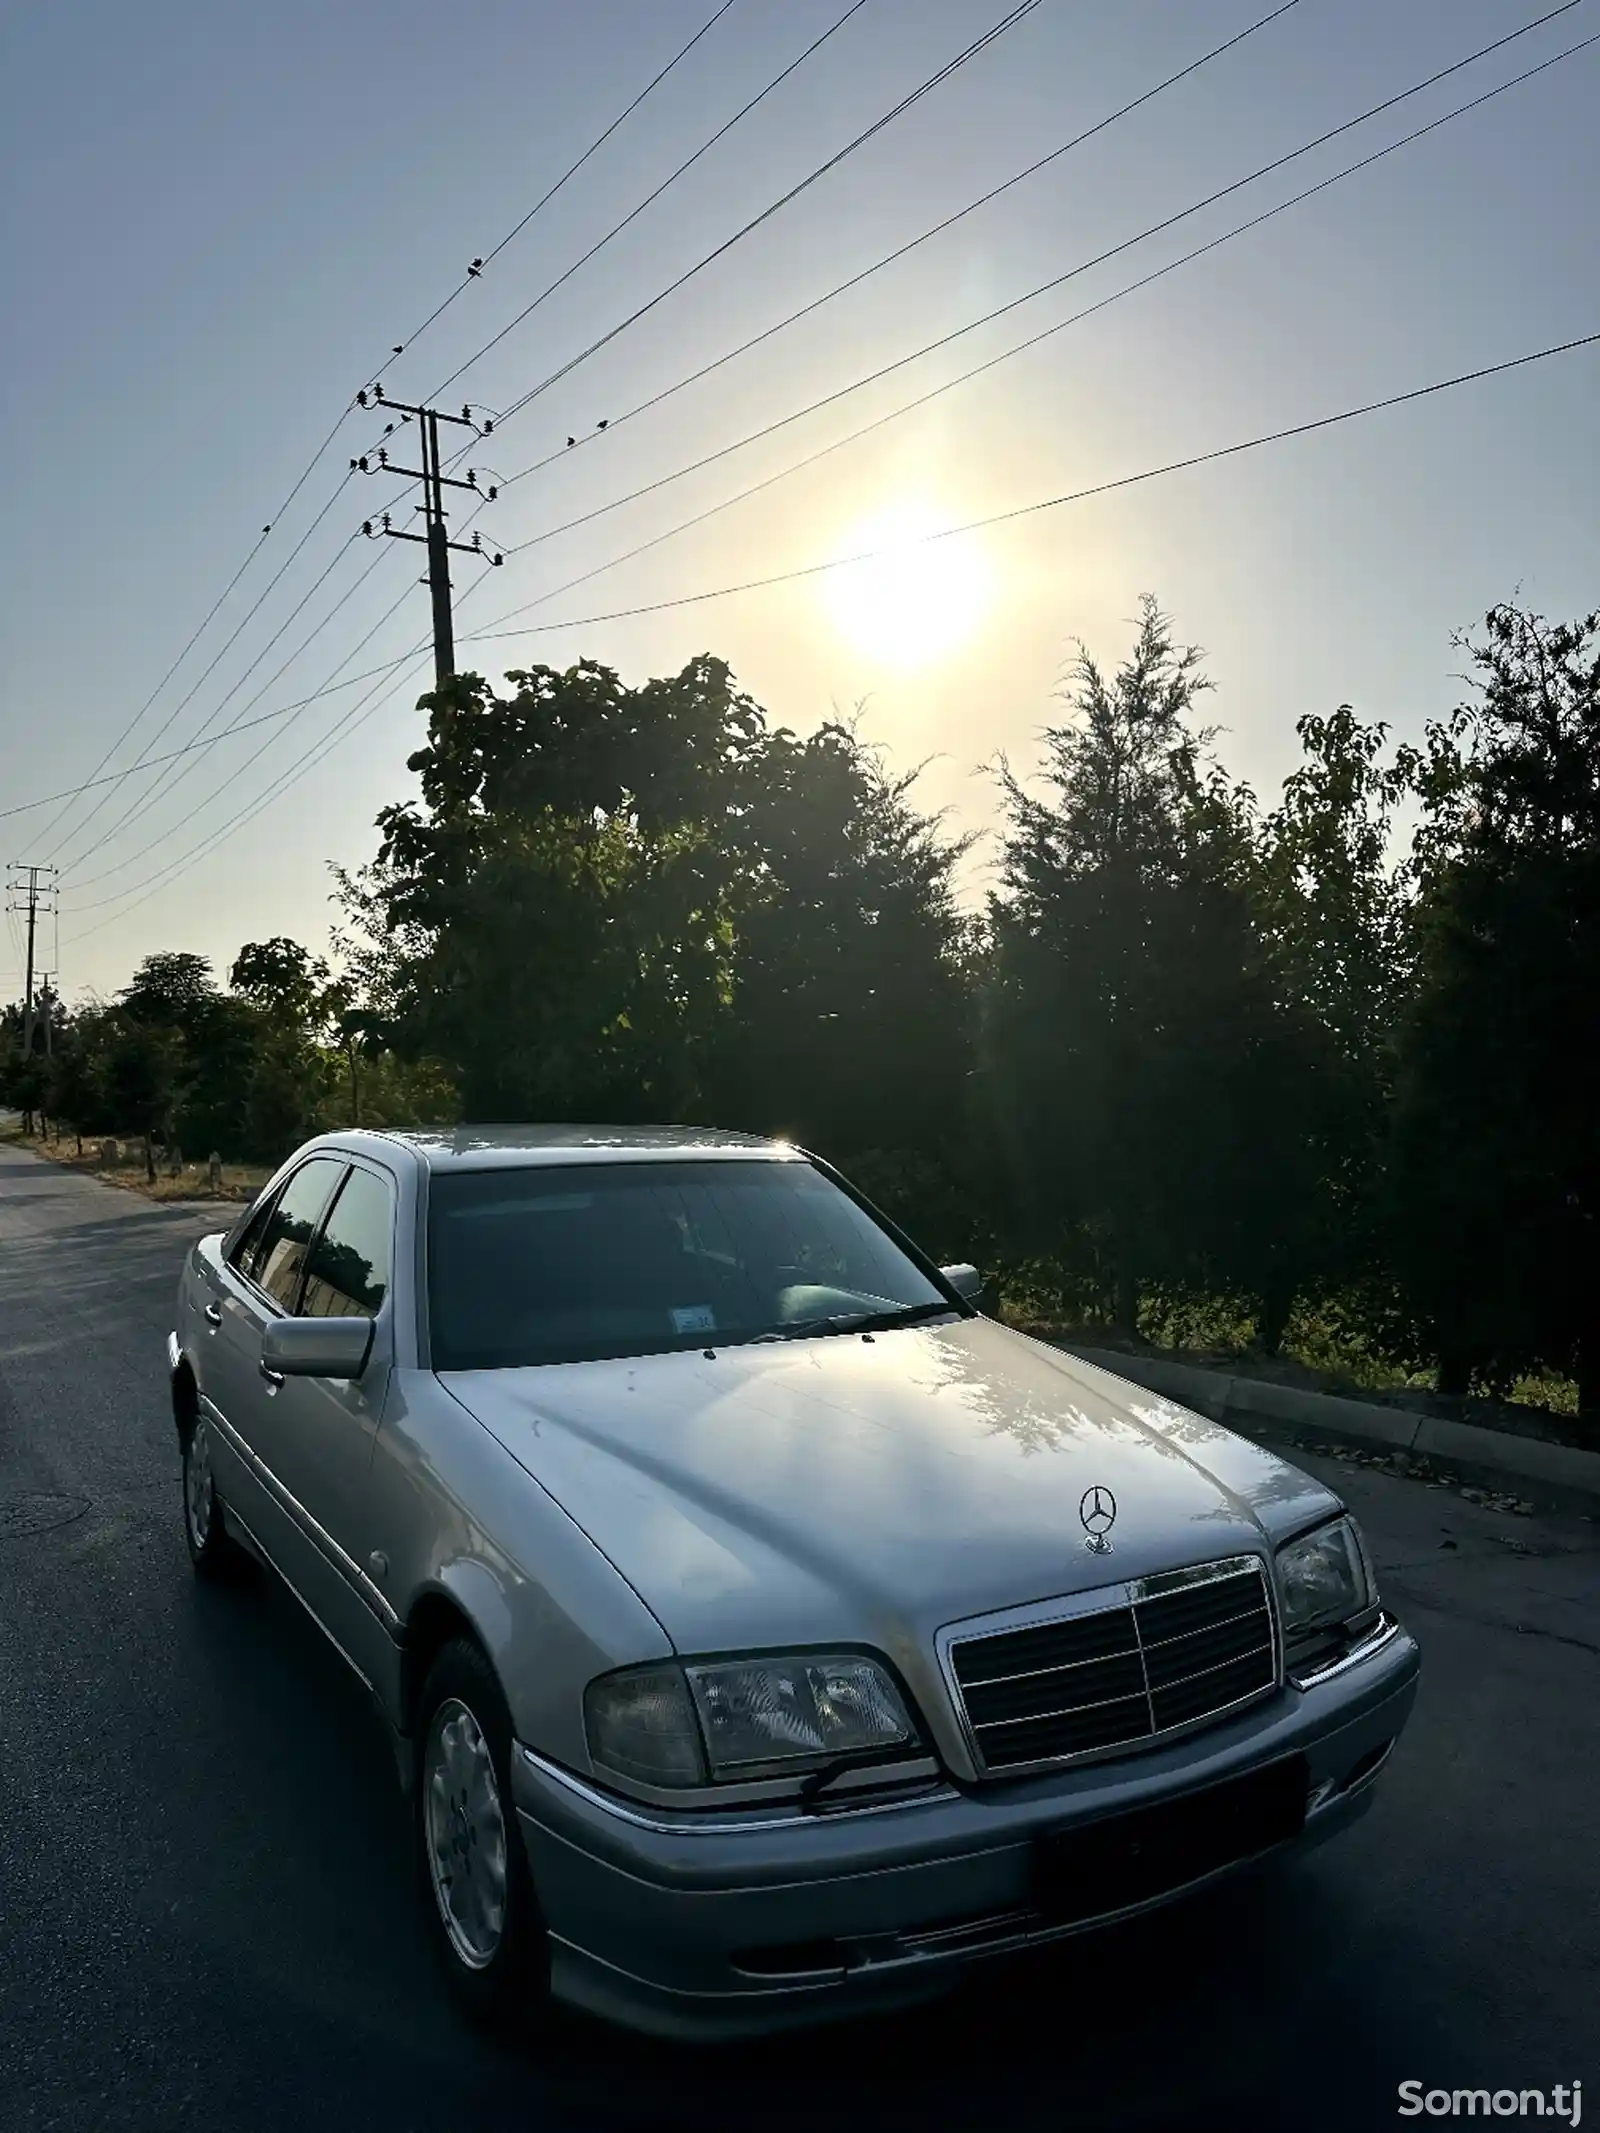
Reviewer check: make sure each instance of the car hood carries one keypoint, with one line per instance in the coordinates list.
(875, 1489)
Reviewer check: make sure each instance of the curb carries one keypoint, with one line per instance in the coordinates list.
(1242, 1401)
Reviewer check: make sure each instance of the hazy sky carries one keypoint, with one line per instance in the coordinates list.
(220, 216)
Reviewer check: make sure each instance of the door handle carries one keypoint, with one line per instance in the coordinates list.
(273, 1377)
(213, 1314)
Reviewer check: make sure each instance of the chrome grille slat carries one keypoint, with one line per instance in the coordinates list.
(1256, 1651)
(1245, 1614)
(1028, 1718)
(1170, 1659)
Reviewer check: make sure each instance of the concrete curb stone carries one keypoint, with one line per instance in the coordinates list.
(1226, 1399)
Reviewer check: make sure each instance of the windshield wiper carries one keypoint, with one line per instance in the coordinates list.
(857, 1321)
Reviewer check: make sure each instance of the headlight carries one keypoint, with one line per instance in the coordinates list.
(672, 1726)
(1324, 1577)
(777, 1710)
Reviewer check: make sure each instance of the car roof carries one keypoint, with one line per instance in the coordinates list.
(524, 1147)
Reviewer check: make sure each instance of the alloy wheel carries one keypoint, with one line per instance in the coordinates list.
(465, 1831)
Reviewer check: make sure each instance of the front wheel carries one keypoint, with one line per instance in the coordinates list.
(212, 1549)
(484, 1921)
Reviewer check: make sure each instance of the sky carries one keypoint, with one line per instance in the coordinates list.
(220, 218)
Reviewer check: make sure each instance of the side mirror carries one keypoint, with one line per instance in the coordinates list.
(966, 1281)
(317, 1347)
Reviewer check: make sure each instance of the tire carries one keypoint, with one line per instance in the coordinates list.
(212, 1549)
(477, 1894)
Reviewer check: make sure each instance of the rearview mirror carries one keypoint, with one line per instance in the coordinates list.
(317, 1347)
(966, 1281)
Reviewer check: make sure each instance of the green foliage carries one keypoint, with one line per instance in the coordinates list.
(283, 979)
(1144, 1065)
(646, 903)
(1494, 1163)
(1225, 1076)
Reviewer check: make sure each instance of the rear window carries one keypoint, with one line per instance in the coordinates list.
(563, 1264)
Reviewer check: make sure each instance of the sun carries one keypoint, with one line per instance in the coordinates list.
(917, 600)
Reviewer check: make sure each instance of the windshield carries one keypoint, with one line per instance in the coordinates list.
(568, 1264)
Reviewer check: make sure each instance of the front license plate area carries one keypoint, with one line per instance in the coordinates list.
(1132, 1858)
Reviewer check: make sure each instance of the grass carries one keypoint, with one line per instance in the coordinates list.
(1325, 1349)
(240, 1181)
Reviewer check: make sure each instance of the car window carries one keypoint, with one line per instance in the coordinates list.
(571, 1263)
(246, 1254)
(347, 1273)
(280, 1257)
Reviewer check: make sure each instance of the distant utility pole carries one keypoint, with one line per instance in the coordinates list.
(435, 538)
(27, 896)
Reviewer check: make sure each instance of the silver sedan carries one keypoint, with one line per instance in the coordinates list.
(764, 1633)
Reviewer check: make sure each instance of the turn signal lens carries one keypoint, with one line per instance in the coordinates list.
(642, 1726)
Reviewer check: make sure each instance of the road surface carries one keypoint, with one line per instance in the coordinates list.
(207, 1921)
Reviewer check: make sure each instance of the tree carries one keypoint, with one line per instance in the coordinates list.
(1333, 906)
(848, 1028)
(1495, 1187)
(648, 903)
(143, 1061)
(283, 979)
(1142, 1070)
(170, 990)
(73, 1080)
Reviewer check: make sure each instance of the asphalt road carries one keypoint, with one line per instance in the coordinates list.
(206, 1917)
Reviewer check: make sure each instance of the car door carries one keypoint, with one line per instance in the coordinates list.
(322, 1429)
(254, 1283)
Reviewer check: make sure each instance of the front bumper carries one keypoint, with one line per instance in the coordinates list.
(693, 1926)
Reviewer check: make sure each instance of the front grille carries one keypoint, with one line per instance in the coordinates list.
(1162, 1653)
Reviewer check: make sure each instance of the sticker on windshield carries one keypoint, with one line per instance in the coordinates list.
(693, 1318)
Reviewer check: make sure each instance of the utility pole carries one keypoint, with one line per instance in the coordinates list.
(24, 883)
(435, 538)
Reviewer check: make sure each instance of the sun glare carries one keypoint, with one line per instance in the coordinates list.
(913, 603)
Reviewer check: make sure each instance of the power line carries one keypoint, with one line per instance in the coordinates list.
(94, 775)
(633, 213)
(474, 272)
(143, 761)
(1049, 503)
(23, 881)
(979, 44)
(272, 741)
(172, 755)
(1032, 341)
(168, 788)
(351, 720)
(353, 717)
(322, 449)
(164, 876)
(889, 258)
(381, 673)
(178, 709)
(915, 96)
(140, 798)
(1043, 288)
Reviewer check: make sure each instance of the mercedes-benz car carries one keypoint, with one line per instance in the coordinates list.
(765, 1632)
